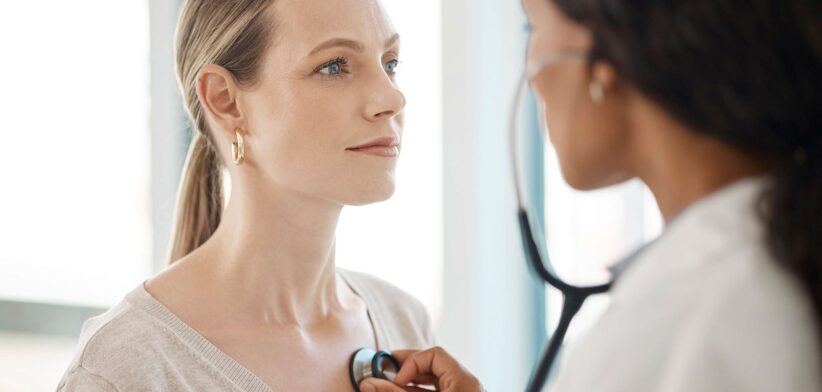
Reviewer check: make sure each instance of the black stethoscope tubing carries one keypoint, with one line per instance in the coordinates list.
(572, 296)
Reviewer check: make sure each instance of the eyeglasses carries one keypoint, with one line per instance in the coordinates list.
(533, 68)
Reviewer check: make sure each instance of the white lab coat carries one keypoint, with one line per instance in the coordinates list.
(705, 308)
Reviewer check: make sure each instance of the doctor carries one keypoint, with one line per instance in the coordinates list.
(716, 105)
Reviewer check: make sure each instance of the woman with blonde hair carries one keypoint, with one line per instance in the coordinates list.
(297, 101)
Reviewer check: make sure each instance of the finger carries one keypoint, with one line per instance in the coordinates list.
(431, 362)
(424, 379)
(420, 379)
(402, 355)
(379, 385)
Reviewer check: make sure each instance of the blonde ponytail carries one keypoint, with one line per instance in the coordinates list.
(200, 199)
(233, 34)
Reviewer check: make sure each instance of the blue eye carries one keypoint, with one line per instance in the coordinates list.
(333, 68)
(391, 66)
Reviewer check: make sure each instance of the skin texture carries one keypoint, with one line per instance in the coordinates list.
(265, 282)
(599, 143)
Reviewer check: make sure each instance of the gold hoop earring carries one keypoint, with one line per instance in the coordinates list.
(238, 147)
(597, 91)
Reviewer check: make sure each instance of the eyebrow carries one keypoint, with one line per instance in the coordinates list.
(355, 45)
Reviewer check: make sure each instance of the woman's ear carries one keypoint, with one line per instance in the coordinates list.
(604, 74)
(217, 90)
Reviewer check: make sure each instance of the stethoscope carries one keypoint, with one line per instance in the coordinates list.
(572, 296)
(367, 363)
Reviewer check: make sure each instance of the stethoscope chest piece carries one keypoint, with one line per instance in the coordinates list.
(367, 363)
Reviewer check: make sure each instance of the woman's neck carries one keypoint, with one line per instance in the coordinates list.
(680, 166)
(273, 257)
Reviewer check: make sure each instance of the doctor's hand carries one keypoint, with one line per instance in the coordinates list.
(433, 366)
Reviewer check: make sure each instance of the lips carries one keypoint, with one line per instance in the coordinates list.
(386, 146)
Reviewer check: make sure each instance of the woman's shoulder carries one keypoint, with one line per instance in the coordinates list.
(115, 343)
(750, 287)
(383, 292)
(119, 324)
(757, 323)
(398, 310)
(377, 285)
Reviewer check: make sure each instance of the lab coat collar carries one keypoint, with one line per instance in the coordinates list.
(618, 268)
(717, 221)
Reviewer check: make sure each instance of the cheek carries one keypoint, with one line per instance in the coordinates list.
(557, 92)
(307, 120)
(584, 136)
(303, 146)
(299, 134)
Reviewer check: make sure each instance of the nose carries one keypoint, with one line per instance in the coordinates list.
(385, 100)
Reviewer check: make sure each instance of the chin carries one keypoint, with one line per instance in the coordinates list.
(374, 194)
(589, 182)
(575, 176)
(579, 183)
(586, 174)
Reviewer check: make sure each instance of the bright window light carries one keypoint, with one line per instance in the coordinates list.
(589, 231)
(75, 220)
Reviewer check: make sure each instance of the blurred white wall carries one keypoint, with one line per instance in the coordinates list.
(491, 303)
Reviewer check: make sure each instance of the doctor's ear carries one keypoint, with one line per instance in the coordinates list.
(217, 90)
(604, 79)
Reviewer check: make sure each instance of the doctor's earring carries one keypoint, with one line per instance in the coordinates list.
(597, 91)
(238, 147)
